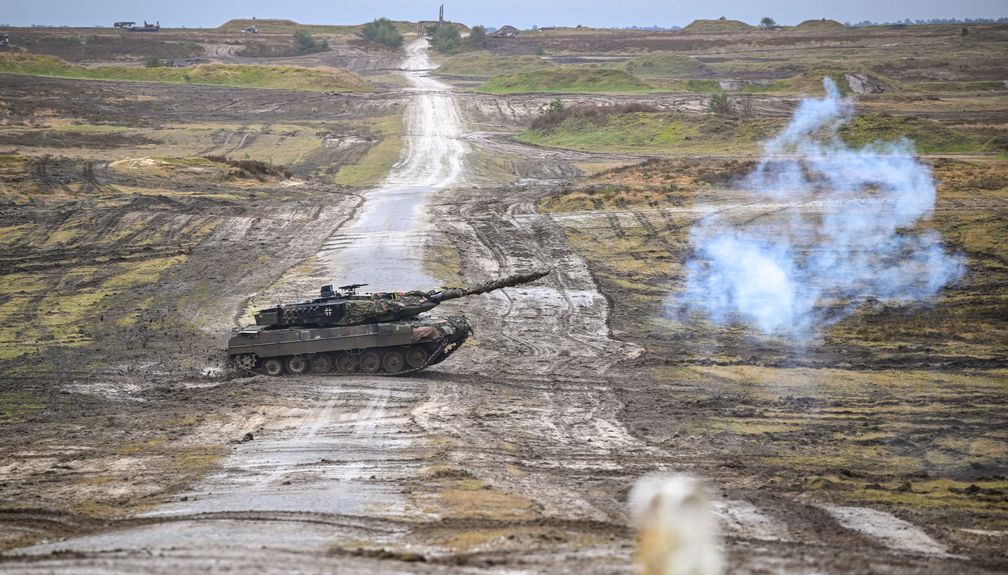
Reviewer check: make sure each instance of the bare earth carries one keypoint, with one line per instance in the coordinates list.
(516, 455)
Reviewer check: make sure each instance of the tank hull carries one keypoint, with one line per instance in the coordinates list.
(397, 347)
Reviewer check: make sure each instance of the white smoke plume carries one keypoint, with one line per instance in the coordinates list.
(839, 235)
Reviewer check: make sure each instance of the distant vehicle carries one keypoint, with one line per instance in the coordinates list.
(4, 41)
(145, 28)
(124, 24)
(251, 30)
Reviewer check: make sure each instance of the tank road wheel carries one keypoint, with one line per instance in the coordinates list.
(346, 362)
(370, 362)
(393, 361)
(296, 364)
(416, 357)
(272, 366)
(321, 363)
(245, 361)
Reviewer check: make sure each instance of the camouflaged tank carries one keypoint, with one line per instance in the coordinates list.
(343, 331)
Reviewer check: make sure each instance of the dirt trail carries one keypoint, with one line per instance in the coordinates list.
(383, 247)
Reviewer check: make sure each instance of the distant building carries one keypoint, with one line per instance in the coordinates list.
(251, 30)
(505, 32)
(124, 24)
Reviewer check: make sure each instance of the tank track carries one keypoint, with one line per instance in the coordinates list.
(436, 354)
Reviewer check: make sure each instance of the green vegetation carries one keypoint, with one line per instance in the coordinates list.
(242, 76)
(383, 31)
(767, 22)
(664, 66)
(17, 406)
(928, 136)
(378, 160)
(477, 37)
(483, 64)
(638, 127)
(719, 103)
(566, 80)
(445, 38)
(307, 44)
(729, 128)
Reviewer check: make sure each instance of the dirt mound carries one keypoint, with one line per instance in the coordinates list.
(865, 84)
(717, 26)
(270, 24)
(823, 25)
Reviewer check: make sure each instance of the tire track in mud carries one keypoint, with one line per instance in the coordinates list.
(533, 396)
(564, 434)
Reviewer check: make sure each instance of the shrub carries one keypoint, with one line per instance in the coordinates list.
(153, 62)
(767, 22)
(477, 37)
(384, 32)
(719, 103)
(251, 168)
(307, 44)
(445, 38)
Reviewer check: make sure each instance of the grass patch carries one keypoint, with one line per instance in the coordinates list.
(483, 64)
(664, 66)
(378, 162)
(240, 76)
(928, 136)
(34, 316)
(638, 128)
(566, 80)
(458, 494)
(932, 87)
(16, 406)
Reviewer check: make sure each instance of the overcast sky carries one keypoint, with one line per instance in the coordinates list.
(520, 13)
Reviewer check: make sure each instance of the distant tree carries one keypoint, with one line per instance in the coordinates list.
(767, 22)
(307, 44)
(964, 32)
(722, 18)
(445, 38)
(383, 31)
(477, 37)
(153, 62)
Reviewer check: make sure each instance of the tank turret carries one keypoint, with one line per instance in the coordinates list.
(343, 306)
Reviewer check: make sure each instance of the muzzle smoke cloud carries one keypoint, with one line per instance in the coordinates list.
(841, 236)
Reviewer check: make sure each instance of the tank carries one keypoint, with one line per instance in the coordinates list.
(382, 333)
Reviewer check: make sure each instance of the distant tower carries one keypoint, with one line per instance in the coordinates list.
(440, 17)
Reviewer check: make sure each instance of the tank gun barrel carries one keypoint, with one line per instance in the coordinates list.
(510, 281)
